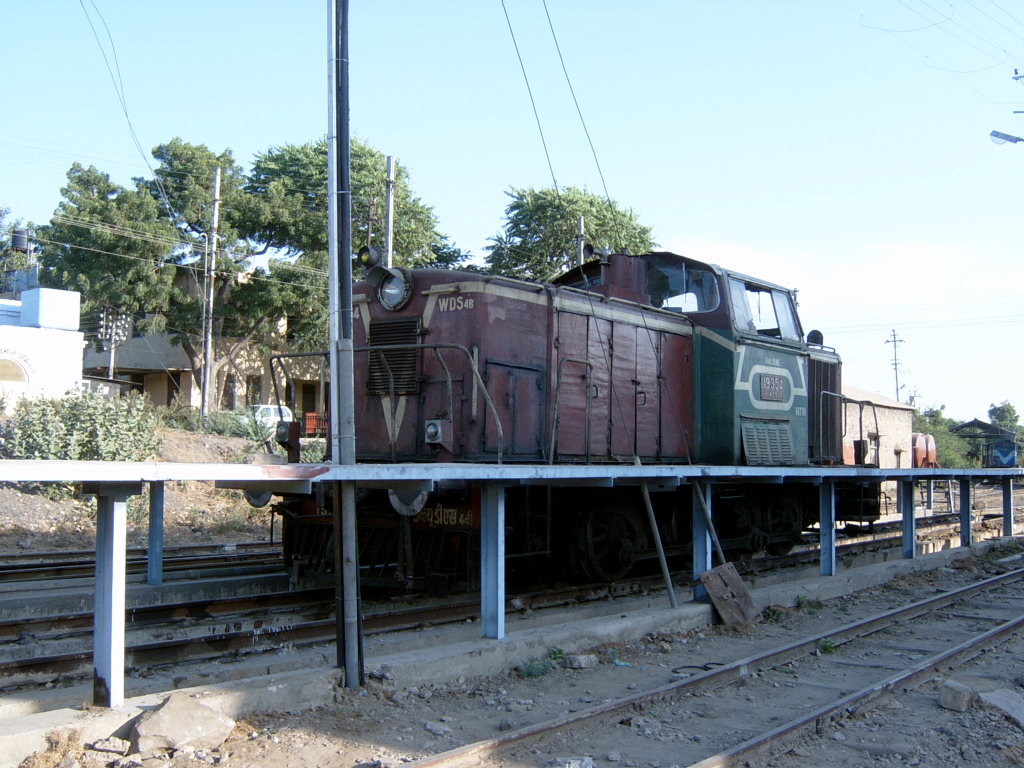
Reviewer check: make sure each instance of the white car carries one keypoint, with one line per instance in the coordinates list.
(268, 415)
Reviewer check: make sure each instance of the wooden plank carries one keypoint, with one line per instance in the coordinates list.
(730, 596)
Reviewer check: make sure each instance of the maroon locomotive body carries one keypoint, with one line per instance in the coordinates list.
(484, 368)
(657, 358)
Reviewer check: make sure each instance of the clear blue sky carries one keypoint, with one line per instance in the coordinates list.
(839, 147)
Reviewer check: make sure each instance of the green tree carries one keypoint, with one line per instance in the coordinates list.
(9, 258)
(288, 188)
(951, 451)
(246, 300)
(539, 238)
(112, 245)
(1004, 415)
(289, 185)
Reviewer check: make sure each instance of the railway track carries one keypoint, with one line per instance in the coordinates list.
(54, 566)
(39, 650)
(771, 697)
(47, 651)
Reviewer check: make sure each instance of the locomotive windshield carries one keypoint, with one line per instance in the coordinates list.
(768, 311)
(674, 287)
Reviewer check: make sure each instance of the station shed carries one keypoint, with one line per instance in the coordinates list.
(996, 445)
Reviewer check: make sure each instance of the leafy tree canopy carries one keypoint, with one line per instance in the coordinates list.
(539, 238)
(951, 451)
(110, 243)
(1004, 415)
(289, 185)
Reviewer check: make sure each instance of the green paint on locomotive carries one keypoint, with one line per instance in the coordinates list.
(751, 385)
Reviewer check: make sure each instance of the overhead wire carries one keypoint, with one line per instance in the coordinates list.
(119, 89)
(529, 90)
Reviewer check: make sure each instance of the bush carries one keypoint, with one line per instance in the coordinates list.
(82, 427)
(240, 422)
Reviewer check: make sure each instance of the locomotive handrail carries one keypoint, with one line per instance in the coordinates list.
(448, 380)
(472, 366)
(558, 395)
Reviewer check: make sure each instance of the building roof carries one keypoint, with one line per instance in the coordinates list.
(856, 393)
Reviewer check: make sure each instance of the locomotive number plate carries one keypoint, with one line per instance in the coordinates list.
(773, 388)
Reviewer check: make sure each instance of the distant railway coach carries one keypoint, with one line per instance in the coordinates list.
(657, 358)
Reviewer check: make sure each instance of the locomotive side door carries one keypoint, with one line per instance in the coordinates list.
(518, 395)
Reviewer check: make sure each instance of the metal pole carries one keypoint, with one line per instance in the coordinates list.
(1008, 506)
(343, 440)
(208, 386)
(827, 527)
(666, 574)
(389, 237)
(580, 239)
(155, 553)
(905, 496)
(113, 351)
(708, 520)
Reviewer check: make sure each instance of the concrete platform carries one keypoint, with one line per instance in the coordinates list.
(296, 680)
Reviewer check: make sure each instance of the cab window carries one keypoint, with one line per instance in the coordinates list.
(673, 287)
(766, 311)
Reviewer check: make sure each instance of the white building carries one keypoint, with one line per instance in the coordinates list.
(40, 345)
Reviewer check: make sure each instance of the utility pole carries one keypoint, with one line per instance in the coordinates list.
(208, 299)
(895, 361)
(343, 435)
(580, 240)
(389, 237)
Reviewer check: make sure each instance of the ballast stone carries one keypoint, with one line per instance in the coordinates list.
(955, 696)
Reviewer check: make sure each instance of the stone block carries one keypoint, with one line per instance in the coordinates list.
(955, 696)
(580, 661)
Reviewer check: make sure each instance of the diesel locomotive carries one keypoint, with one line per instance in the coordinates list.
(655, 357)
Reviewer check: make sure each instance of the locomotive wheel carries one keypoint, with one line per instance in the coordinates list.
(611, 541)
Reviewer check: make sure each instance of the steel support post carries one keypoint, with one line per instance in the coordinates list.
(931, 495)
(155, 552)
(492, 561)
(827, 526)
(1008, 528)
(108, 614)
(966, 536)
(702, 546)
(905, 494)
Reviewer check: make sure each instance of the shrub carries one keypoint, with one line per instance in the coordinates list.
(240, 422)
(82, 427)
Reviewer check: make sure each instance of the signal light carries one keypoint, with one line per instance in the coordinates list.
(370, 256)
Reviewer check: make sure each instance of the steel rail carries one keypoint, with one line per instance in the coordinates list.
(720, 676)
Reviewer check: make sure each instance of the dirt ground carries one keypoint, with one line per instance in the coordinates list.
(194, 513)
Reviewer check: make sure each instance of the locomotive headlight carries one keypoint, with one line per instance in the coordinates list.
(393, 286)
(433, 432)
(393, 292)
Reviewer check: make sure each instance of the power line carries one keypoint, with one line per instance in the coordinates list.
(529, 90)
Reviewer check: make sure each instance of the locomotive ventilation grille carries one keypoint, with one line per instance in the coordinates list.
(767, 443)
(394, 370)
